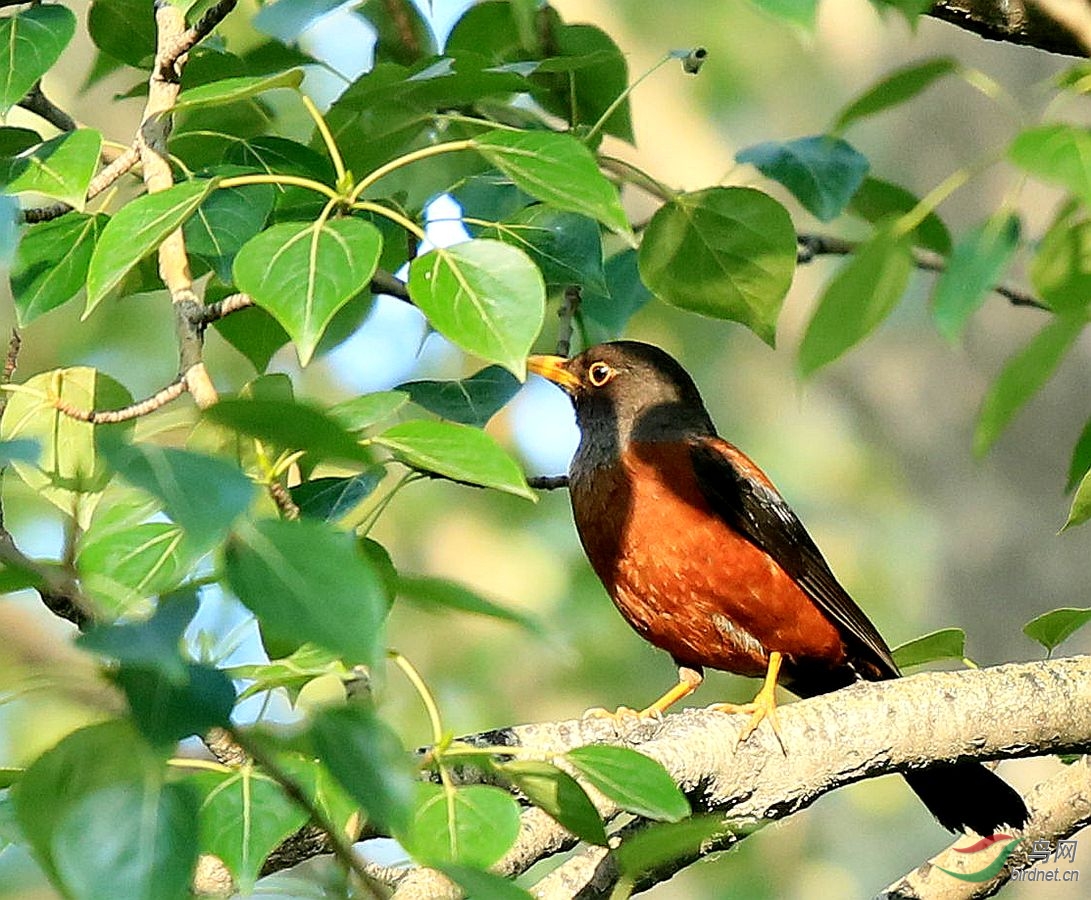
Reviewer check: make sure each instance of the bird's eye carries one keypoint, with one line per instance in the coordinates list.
(599, 374)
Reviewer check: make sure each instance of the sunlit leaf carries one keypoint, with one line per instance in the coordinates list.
(231, 90)
(728, 253)
(368, 409)
(947, 643)
(1058, 153)
(30, 42)
(457, 452)
(60, 168)
(876, 201)
(559, 794)
(472, 825)
(51, 263)
(632, 780)
(1053, 628)
(303, 273)
(486, 297)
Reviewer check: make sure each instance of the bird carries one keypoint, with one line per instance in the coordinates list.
(706, 560)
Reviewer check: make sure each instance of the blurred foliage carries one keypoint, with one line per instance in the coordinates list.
(526, 120)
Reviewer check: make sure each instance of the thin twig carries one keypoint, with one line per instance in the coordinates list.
(189, 39)
(38, 103)
(158, 400)
(283, 500)
(58, 589)
(812, 246)
(104, 179)
(548, 482)
(10, 362)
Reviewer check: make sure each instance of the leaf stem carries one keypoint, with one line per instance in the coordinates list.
(395, 164)
(415, 679)
(327, 137)
(928, 203)
(396, 217)
(272, 178)
(622, 97)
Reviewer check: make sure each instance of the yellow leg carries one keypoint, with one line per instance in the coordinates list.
(763, 706)
(688, 681)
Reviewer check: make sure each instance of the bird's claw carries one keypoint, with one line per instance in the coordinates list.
(762, 707)
(622, 714)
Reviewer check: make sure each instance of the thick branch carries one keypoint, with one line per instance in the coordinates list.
(1014, 22)
(833, 740)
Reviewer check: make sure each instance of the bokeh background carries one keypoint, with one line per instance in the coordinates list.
(873, 452)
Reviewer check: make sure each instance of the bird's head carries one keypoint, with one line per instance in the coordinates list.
(628, 390)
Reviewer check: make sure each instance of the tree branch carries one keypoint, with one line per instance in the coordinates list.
(158, 400)
(38, 103)
(814, 245)
(1015, 22)
(836, 739)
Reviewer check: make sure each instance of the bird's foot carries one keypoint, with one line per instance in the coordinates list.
(622, 713)
(763, 706)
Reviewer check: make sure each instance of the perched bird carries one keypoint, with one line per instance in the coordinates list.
(705, 559)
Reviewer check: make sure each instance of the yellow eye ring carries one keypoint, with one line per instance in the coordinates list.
(599, 373)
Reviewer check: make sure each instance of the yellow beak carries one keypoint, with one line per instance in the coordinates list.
(555, 368)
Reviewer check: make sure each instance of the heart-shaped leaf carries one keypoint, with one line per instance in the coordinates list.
(30, 42)
(304, 273)
(471, 401)
(635, 782)
(486, 297)
(947, 643)
(724, 252)
(231, 90)
(1053, 628)
(472, 826)
(51, 263)
(60, 168)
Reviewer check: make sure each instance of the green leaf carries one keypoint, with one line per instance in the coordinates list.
(947, 643)
(251, 331)
(369, 761)
(660, 844)
(225, 221)
(51, 263)
(1022, 377)
(722, 252)
(567, 247)
(822, 172)
(434, 594)
(289, 425)
(975, 267)
(20, 450)
(592, 88)
(470, 826)
(122, 568)
(70, 473)
(559, 794)
(306, 581)
(124, 30)
(471, 401)
(632, 780)
(304, 273)
(60, 168)
(8, 777)
(243, 816)
(231, 90)
(486, 297)
(1061, 269)
(480, 885)
(166, 710)
(457, 452)
(556, 169)
(201, 493)
(877, 201)
(1080, 511)
(1081, 459)
(98, 814)
(898, 87)
(860, 296)
(798, 12)
(1056, 153)
(366, 410)
(331, 498)
(292, 673)
(155, 642)
(1057, 626)
(136, 230)
(30, 42)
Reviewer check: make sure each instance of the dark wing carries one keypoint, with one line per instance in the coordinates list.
(738, 492)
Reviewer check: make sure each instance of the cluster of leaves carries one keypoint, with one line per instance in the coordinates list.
(508, 122)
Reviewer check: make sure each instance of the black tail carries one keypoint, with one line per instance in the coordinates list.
(967, 795)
